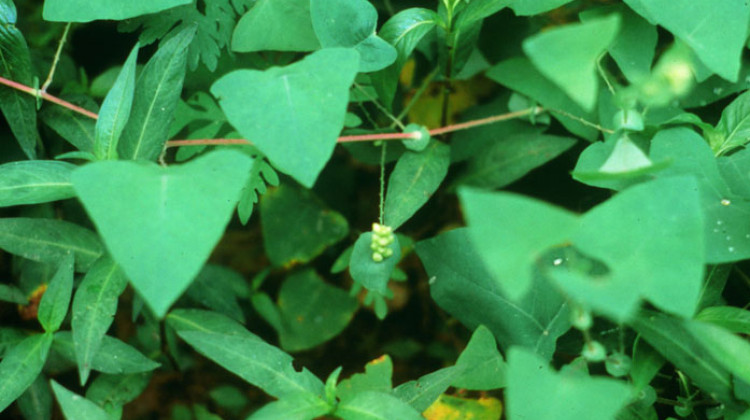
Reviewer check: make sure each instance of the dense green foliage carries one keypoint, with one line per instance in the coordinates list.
(384, 275)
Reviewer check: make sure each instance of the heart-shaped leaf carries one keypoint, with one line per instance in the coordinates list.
(160, 224)
(293, 114)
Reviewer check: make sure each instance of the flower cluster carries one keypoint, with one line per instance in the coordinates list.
(382, 238)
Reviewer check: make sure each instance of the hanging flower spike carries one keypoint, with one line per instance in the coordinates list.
(382, 236)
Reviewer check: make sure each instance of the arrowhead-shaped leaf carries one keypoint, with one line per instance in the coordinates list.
(293, 114)
(573, 70)
(160, 224)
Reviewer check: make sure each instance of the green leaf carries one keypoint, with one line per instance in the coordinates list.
(293, 114)
(535, 7)
(732, 351)
(34, 182)
(73, 127)
(369, 273)
(49, 241)
(261, 174)
(413, 181)
(521, 76)
(697, 23)
(512, 157)
(634, 46)
(377, 377)
(460, 284)
(94, 308)
(424, 391)
(115, 110)
(536, 227)
(181, 211)
(76, 407)
(653, 249)
(112, 356)
(646, 364)
(214, 288)
(206, 321)
(312, 311)
(566, 395)
(9, 293)
(372, 405)
(157, 93)
(214, 22)
(734, 169)
(255, 361)
(574, 69)
(670, 337)
(276, 26)
(88, 10)
(19, 108)
(479, 9)
(404, 31)
(111, 391)
(734, 125)
(733, 319)
(726, 225)
(297, 226)
(293, 407)
(352, 24)
(36, 402)
(54, 303)
(482, 366)
(21, 365)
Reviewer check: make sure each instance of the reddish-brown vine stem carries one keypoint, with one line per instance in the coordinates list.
(343, 139)
(47, 97)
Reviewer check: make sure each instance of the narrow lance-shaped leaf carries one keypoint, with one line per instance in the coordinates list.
(86, 11)
(115, 110)
(94, 307)
(293, 407)
(372, 405)
(21, 365)
(424, 391)
(49, 241)
(113, 356)
(671, 337)
(36, 402)
(413, 181)
(19, 108)
(34, 182)
(247, 356)
(76, 407)
(157, 93)
(54, 304)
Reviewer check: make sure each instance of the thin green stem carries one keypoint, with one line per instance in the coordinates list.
(382, 183)
(603, 74)
(580, 120)
(60, 45)
(418, 94)
(381, 107)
